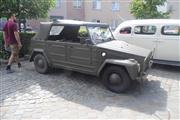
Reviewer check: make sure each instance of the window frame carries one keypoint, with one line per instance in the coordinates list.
(95, 4)
(58, 3)
(116, 6)
(166, 34)
(77, 4)
(141, 30)
(62, 37)
(124, 31)
(55, 26)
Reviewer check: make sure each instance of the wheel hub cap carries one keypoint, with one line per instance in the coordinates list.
(114, 79)
(40, 63)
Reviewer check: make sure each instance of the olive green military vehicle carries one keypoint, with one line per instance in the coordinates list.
(89, 48)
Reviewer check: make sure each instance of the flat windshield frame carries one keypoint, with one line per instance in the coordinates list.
(97, 34)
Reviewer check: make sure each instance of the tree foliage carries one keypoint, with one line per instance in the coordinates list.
(26, 8)
(146, 9)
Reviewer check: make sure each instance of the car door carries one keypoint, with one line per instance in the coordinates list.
(56, 47)
(145, 36)
(80, 54)
(169, 43)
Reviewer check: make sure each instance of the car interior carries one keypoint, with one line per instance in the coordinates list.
(68, 34)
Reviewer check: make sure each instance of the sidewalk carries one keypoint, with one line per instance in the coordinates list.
(27, 94)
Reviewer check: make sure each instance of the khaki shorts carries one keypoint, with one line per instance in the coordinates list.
(14, 49)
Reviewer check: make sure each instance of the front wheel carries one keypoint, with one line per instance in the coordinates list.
(41, 64)
(116, 79)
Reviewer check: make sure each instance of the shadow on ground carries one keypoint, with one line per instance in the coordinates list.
(166, 71)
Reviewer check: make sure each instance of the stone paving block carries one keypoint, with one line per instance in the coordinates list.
(27, 95)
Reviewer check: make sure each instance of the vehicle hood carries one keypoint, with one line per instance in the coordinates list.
(121, 46)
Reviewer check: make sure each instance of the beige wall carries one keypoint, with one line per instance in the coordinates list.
(35, 23)
(75, 13)
(105, 14)
(59, 11)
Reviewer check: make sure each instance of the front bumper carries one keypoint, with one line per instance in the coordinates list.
(146, 68)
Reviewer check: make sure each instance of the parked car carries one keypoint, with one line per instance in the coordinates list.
(160, 35)
(89, 48)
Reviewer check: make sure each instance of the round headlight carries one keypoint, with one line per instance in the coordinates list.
(103, 54)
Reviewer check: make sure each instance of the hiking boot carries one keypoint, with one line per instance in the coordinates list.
(19, 65)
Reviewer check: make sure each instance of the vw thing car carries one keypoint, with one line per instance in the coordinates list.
(89, 48)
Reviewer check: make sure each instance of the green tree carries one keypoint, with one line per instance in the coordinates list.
(26, 8)
(148, 9)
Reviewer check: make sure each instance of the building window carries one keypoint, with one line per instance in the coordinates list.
(77, 3)
(58, 3)
(115, 6)
(96, 4)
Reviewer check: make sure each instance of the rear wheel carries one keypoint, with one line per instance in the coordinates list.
(41, 64)
(116, 79)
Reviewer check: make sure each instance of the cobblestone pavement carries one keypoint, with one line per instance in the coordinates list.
(26, 94)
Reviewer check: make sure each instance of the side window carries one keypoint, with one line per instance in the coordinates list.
(66, 33)
(83, 32)
(83, 35)
(56, 30)
(145, 30)
(125, 30)
(173, 30)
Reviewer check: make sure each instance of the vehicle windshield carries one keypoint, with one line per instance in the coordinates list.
(100, 34)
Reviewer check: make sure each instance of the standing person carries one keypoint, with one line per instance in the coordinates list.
(12, 39)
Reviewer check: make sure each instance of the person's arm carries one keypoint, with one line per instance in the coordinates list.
(4, 38)
(17, 38)
(16, 34)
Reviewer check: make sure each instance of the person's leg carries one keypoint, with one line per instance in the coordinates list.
(11, 59)
(16, 50)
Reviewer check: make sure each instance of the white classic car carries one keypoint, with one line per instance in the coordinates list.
(160, 35)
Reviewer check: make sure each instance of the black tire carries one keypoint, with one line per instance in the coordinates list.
(41, 64)
(116, 79)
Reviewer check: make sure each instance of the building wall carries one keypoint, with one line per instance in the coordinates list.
(105, 14)
(34, 23)
(75, 13)
(59, 10)
(175, 6)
